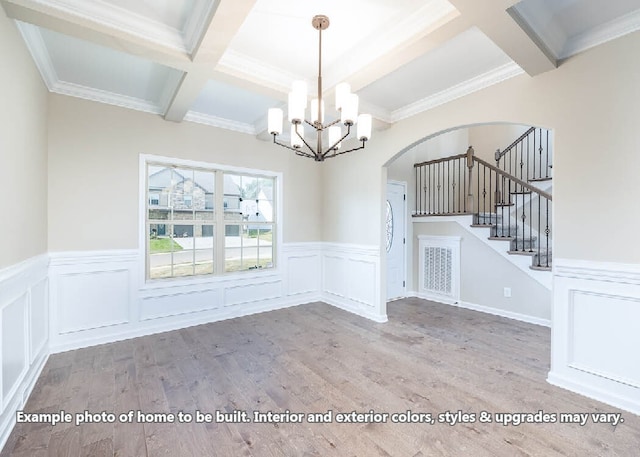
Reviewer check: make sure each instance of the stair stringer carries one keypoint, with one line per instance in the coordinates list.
(522, 262)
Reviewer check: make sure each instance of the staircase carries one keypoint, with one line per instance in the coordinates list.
(510, 202)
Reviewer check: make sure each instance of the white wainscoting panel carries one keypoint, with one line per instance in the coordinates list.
(352, 280)
(24, 330)
(93, 299)
(97, 297)
(303, 277)
(595, 331)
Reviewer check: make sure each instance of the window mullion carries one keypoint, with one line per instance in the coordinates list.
(219, 227)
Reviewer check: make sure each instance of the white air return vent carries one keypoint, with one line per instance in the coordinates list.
(440, 267)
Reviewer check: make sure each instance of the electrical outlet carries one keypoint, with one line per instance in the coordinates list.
(507, 292)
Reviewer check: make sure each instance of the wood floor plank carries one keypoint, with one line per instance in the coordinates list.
(313, 358)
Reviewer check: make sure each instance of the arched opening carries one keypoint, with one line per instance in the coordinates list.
(503, 235)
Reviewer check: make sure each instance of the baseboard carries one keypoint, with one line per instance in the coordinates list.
(8, 417)
(485, 309)
(607, 396)
(360, 309)
(178, 322)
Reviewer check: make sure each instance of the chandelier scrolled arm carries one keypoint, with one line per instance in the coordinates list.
(346, 105)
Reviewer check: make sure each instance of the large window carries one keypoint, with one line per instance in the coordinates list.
(202, 221)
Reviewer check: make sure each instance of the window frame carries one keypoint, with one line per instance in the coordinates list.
(218, 222)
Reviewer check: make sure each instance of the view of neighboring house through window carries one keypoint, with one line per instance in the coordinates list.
(249, 218)
(186, 236)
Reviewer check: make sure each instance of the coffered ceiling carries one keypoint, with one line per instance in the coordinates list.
(224, 62)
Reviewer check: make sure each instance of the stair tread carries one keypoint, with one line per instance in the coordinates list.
(504, 204)
(540, 179)
(502, 238)
(529, 253)
(527, 192)
(541, 268)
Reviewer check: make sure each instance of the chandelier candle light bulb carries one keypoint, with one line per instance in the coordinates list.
(346, 106)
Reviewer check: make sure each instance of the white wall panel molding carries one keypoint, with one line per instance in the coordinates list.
(97, 296)
(24, 335)
(351, 279)
(594, 335)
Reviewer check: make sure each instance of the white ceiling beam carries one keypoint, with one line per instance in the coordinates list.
(495, 21)
(224, 25)
(64, 22)
(437, 34)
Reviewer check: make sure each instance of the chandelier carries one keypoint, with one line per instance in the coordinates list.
(346, 105)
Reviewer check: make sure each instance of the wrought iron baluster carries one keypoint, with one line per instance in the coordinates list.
(547, 148)
(547, 231)
(540, 152)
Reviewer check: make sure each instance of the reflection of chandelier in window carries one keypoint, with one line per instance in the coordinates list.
(389, 226)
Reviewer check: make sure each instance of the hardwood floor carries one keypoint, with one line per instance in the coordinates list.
(429, 358)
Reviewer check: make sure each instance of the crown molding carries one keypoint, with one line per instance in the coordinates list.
(477, 83)
(39, 52)
(215, 121)
(123, 20)
(242, 66)
(103, 96)
(601, 34)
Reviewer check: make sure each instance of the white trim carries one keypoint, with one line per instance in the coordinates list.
(601, 34)
(484, 309)
(605, 395)
(405, 235)
(246, 67)
(197, 23)
(351, 279)
(625, 273)
(467, 87)
(220, 122)
(39, 52)
(24, 285)
(171, 161)
(591, 299)
(103, 96)
(122, 20)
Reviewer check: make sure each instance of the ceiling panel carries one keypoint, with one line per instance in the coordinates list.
(279, 32)
(460, 59)
(87, 65)
(570, 26)
(226, 101)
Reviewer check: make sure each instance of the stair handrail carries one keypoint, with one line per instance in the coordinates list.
(442, 159)
(501, 154)
(514, 179)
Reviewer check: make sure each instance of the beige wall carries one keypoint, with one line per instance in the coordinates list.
(485, 139)
(592, 101)
(480, 285)
(93, 172)
(23, 150)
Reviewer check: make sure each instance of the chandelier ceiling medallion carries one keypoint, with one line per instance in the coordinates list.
(346, 105)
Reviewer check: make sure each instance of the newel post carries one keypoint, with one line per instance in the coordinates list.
(498, 195)
(470, 153)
